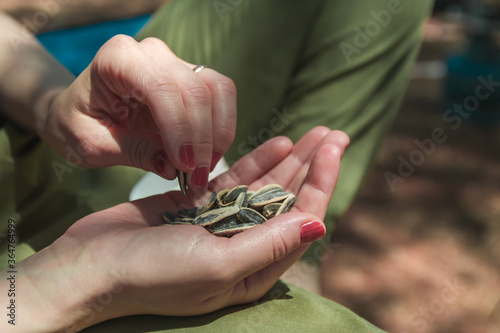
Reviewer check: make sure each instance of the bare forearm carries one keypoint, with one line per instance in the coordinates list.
(29, 76)
(44, 15)
(51, 292)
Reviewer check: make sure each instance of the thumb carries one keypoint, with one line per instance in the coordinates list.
(271, 248)
(145, 152)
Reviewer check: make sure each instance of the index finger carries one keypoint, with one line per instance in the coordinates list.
(224, 113)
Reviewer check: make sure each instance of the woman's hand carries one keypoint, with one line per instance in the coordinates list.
(139, 105)
(120, 262)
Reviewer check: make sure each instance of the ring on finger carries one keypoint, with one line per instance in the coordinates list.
(199, 68)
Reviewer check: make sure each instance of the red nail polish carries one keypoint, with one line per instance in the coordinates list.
(311, 232)
(159, 163)
(186, 155)
(216, 156)
(199, 178)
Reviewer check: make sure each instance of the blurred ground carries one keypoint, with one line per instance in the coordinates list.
(426, 256)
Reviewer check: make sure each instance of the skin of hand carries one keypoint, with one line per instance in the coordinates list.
(113, 112)
(119, 262)
(139, 105)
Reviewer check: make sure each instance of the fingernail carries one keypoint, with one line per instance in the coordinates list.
(199, 178)
(159, 163)
(311, 232)
(186, 155)
(216, 156)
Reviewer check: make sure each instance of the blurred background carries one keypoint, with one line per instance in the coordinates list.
(419, 249)
(421, 253)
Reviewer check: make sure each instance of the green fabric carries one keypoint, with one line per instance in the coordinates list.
(300, 64)
(285, 308)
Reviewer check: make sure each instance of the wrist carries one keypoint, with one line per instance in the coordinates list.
(42, 109)
(61, 290)
(30, 77)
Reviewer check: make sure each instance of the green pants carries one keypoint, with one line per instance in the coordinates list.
(296, 64)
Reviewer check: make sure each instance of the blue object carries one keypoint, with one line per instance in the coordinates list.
(76, 47)
(480, 60)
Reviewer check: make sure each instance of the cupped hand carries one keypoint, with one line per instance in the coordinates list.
(139, 105)
(185, 270)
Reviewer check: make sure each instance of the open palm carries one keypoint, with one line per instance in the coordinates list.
(185, 270)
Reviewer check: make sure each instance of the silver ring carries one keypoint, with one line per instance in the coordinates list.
(199, 68)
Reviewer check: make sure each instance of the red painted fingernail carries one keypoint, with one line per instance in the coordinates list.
(216, 156)
(186, 155)
(159, 163)
(199, 178)
(312, 231)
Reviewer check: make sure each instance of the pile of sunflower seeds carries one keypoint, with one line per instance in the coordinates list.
(231, 211)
